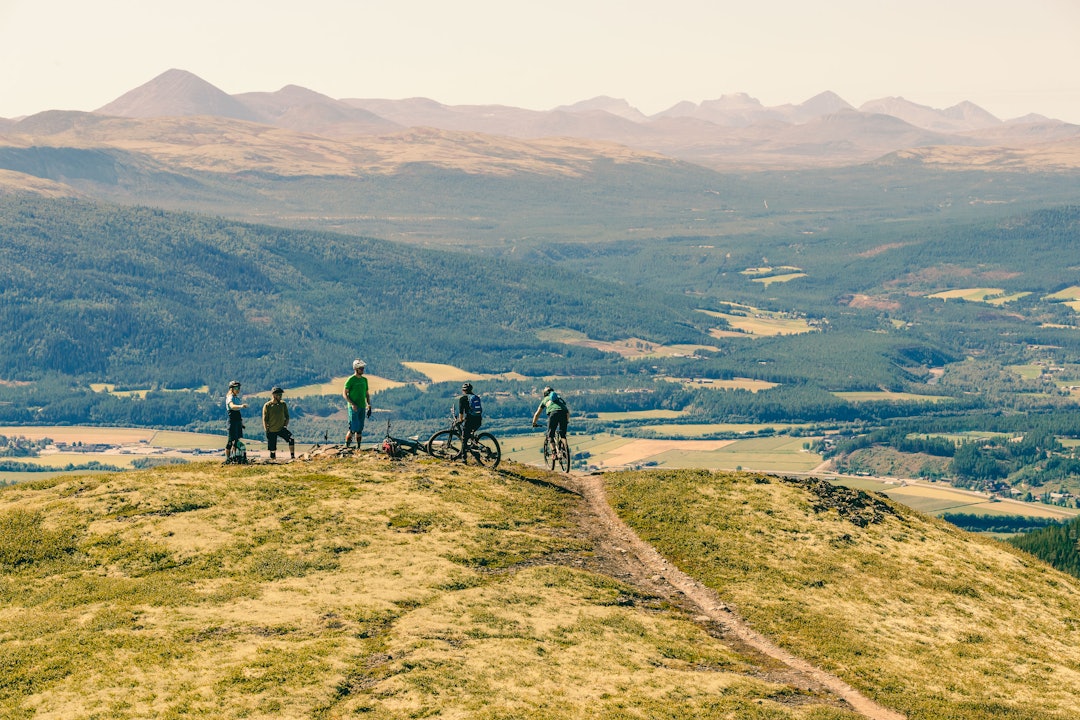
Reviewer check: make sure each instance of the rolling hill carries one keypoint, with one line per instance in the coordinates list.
(141, 295)
(357, 585)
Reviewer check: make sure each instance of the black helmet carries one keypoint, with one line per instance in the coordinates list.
(548, 390)
(234, 383)
(276, 390)
(466, 387)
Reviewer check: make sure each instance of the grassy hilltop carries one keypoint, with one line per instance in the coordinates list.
(363, 587)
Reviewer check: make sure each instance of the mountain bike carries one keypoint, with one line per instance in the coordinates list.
(446, 444)
(556, 452)
(397, 448)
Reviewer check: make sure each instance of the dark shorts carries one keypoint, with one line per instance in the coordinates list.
(471, 425)
(271, 438)
(356, 419)
(236, 427)
(557, 422)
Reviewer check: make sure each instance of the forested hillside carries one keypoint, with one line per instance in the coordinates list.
(1058, 545)
(145, 296)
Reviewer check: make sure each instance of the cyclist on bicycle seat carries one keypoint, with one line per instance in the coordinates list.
(558, 414)
(471, 415)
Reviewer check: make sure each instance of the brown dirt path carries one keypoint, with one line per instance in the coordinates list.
(625, 555)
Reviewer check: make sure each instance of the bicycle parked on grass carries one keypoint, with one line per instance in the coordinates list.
(556, 452)
(397, 448)
(446, 444)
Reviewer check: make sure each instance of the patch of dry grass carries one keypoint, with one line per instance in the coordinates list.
(333, 588)
(921, 616)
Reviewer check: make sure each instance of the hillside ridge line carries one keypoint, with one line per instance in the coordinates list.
(591, 488)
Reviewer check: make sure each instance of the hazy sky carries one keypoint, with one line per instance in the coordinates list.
(1011, 57)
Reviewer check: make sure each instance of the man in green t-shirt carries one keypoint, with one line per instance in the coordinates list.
(356, 394)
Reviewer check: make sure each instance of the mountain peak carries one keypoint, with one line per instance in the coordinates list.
(604, 103)
(971, 113)
(962, 117)
(176, 93)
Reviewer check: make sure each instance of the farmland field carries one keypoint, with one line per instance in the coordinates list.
(628, 347)
(122, 446)
(1027, 372)
(333, 388)
(732, 384)
(80, 433)
(438, 372)
(761, 323)
(767, 281)
(935, 499)
(880, 395)
(700, 429)
(142, 392)
(609, 452)
(968, 294)
(639, 415)
(1070, 296)
(991, 296)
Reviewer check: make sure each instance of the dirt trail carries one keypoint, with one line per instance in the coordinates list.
(648, 569)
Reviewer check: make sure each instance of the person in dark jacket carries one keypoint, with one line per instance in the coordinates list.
(469, 412)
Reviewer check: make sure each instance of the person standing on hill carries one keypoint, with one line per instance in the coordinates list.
(275, 416)
(470, 414)
(234, 403)
(356, 394)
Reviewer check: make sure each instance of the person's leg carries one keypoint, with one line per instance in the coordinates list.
(235, 432)
(271, 443)
(357, 425)
(287, 436)
(468, 429)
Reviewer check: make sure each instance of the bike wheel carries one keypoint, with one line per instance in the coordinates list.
(485, 448)
(549, 453)
(445, 444)
(564, 455)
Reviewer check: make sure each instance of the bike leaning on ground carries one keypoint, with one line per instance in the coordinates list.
(446, 444)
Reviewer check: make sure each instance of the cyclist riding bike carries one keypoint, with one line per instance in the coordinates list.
(558, 414)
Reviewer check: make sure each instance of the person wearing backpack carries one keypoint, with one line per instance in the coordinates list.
(470, 413)
(234, 403)
(558, 414)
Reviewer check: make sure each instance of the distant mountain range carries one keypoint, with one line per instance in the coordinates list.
(730, 132)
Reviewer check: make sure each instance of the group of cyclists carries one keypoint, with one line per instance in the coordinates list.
(468, 411)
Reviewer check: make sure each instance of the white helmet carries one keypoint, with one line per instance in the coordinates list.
(356, 364)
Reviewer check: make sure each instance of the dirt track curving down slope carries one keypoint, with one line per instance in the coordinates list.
(626, 556)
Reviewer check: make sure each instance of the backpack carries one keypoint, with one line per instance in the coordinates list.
(392, 449)
(239, 456)
(556, 400)
(474, 405)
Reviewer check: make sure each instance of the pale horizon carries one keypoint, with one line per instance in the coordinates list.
(1009, 57)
